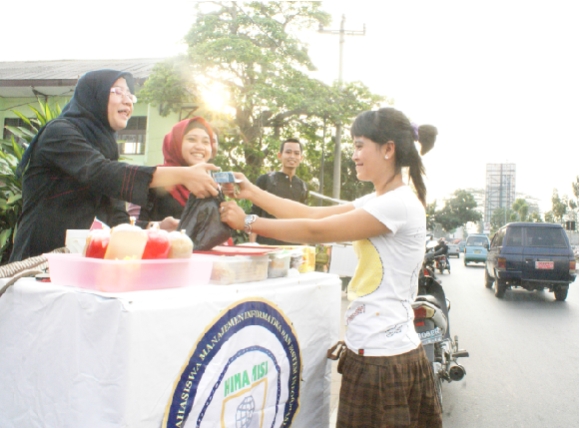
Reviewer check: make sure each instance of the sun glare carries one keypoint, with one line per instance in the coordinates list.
(217, 98)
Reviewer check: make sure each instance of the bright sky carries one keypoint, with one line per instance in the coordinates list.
(500, 79)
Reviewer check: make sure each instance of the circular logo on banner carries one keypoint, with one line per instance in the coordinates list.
(244, 372)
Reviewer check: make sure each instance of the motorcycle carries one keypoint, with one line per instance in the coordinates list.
(431, 309)
(427, 269)
(442, 263)
(437, 257)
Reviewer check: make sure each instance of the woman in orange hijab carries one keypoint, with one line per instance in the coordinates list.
(189, 142)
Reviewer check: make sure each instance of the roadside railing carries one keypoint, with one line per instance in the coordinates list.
(327, 198)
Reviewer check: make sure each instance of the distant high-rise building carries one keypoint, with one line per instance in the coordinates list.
(500, 189)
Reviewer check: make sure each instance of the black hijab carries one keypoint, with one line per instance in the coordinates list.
(88, 110)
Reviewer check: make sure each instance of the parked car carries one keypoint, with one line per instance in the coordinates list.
(476, 246)
(533, 256)
(453, 250)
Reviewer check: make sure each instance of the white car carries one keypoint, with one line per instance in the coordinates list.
(453, 250)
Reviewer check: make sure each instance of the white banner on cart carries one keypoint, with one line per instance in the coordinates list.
(244, 371)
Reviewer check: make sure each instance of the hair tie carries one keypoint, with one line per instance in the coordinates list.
(415, 130)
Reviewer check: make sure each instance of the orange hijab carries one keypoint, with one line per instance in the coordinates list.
(172, 156)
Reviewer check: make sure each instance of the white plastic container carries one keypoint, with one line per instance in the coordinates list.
(76, 239)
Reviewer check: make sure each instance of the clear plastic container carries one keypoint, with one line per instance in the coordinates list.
(127, 275)
(278, 264)
(308, 254)
(236, 269)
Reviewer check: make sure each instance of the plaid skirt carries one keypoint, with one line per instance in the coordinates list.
(388, 392)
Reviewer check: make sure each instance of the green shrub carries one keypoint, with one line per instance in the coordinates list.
(11, 152)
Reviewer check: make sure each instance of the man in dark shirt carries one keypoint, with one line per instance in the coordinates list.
(282, 183)
(442, 249)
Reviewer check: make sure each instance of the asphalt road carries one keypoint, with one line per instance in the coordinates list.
(523, 365)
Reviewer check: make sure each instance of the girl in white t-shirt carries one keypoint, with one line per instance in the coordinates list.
(387, 379)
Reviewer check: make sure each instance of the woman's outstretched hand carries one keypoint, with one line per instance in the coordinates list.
(241, 189)
(233, 215)
(200, 182)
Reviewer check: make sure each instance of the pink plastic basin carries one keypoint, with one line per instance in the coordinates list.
(127, 275)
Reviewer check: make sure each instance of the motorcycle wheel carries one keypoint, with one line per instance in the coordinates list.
(438, 382)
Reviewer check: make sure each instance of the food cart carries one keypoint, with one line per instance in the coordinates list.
(247, 354)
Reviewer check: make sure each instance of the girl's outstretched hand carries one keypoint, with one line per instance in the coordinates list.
(241, 189)
(233, 215)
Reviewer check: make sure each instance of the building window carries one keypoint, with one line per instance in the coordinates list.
(132, 139)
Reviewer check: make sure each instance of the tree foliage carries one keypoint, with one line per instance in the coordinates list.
(252, 50)
(167, 87)
(430, 212)
(559, 206)
(573, 204)
(500, 217)
(521, 209)
(564, 208)
(458, 210)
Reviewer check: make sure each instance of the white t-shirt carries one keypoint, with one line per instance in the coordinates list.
(380, 318)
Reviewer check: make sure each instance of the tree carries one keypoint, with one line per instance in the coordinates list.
(249, 48)
(573, 204)
(536, 218)
(458, 211)
(431, 212)
(521, 209)
(500, 217)
(167, 87)
(559, 206)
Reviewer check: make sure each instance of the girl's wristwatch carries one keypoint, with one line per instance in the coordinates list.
(250, 219)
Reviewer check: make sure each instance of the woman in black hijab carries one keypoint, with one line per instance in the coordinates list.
(72, 173)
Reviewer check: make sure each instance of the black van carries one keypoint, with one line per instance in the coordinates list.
(533, 256)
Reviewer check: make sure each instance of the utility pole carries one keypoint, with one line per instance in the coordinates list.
(321, 184)
(337, 151)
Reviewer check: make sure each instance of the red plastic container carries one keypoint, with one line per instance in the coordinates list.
(127, 275)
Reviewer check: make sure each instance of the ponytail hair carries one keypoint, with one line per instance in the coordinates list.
(388, 124)
(426, 136)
